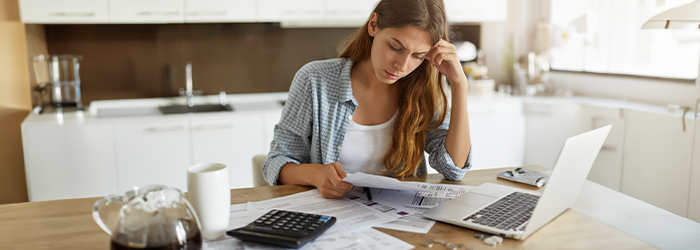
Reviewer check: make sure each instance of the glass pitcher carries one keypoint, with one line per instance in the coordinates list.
(151, 217)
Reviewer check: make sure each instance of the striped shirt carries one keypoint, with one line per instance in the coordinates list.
(316, 117)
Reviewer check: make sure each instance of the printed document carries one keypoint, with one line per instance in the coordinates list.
(351, 216)
(360, 179)
(431, 196)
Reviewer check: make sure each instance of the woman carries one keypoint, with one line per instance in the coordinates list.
(378, 107)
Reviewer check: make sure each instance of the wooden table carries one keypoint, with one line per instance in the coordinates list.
(68, 224)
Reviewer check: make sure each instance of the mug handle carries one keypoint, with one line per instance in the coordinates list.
(112, 198)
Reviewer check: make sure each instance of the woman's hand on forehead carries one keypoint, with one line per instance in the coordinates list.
(443, 55)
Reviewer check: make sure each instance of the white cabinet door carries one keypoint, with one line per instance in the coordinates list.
(694, 202)
(146, 11)
(657, 160)
(152, 153)
(69, 161)
(352, 11)
(547, 126)
(497, 130)
(64, 11)
(233, 141)
(285, 10)
(211, 11)
(607, 168)
(476, 10)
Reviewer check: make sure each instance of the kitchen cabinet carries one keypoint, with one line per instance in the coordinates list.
(459, 11)
(354, 11)
(66, 162)
(146, 11)
(224, 11)
(694, 196)
(231, 140)
(64, 11)
(497, 130)
(152, 152)
(607, 168)
(657, 159)
(285, 10)
(547, 126)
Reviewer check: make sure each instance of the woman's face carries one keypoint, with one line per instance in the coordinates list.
(396, 52)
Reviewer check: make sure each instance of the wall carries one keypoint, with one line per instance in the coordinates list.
(148, 60)
(14, 102)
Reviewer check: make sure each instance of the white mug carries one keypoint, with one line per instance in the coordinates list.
(209, 193)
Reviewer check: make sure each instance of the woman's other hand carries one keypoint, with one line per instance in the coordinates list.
(443, 55)
(329, 181)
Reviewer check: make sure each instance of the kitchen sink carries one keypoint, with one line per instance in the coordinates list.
(180, 109)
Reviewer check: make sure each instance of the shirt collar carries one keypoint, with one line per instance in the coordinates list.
(345, 93)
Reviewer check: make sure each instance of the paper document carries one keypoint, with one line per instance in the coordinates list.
(431, 196)
(351, 216)
(360, 179)
(412, 218)
(369, 239)
(224, 243)
(239, 216)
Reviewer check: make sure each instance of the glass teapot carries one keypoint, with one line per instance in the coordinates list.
(151, 217)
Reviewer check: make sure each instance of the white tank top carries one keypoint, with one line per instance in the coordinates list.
(364, 147)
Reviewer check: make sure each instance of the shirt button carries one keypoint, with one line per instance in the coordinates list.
(350, 117)
(339, 147)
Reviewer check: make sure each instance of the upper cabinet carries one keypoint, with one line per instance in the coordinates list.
(321, 13)
(146, 11)
(285, 10)
(220, 11)
(64, 11)
(352, 11)
(460, 11)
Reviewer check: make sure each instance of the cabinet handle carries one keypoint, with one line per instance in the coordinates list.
(159, 13)
(685, 109)
(213, 126)
(165, 129)
(71, 14)
(207, 13)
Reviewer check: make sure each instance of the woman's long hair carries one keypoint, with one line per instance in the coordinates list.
(422, 96)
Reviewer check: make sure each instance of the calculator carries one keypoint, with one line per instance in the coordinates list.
(284, 228)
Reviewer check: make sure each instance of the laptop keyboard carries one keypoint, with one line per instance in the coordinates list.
(510, 212)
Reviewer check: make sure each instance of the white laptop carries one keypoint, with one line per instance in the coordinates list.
(517, 213)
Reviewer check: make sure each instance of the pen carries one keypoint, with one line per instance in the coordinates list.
(369, 195)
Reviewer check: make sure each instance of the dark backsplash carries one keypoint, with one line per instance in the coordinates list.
(148, 60)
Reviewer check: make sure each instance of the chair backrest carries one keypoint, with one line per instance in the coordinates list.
(258, 178)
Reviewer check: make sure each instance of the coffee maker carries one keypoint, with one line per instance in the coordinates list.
(58, 81)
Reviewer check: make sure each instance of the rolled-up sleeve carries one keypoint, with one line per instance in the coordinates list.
(292, 135)
(439, 158)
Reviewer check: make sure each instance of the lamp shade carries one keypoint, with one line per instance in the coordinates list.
(686, 16)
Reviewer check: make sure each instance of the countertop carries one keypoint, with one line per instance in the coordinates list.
(273, 102)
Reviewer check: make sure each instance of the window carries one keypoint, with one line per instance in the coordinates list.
(605, 36)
